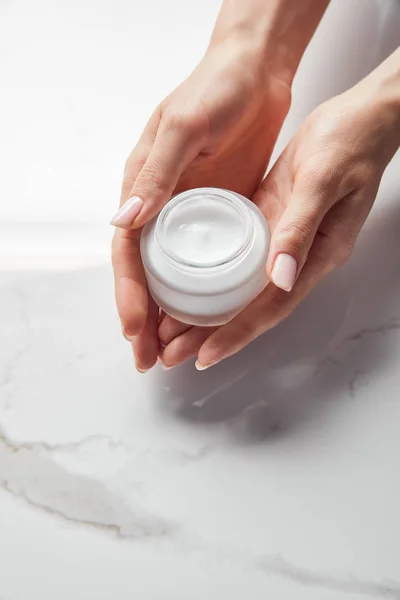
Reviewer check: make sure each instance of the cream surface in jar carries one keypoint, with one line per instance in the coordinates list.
(205, 255)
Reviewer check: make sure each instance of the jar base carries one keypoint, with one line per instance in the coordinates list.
(199, 320)
(204, 320)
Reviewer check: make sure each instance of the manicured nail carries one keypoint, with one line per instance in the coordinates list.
(163, 365)
(129, 338)
(284, 272)
(201, 367)
(128, 212)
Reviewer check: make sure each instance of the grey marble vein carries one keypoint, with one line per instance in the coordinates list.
(29, 471)
(8, 370)
(338, 359)
(392, 325)
(355, 380)
(278, 566)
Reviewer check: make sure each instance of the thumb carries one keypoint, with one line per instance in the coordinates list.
(176, 145)
(293, 236)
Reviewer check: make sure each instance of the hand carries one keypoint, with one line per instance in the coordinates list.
(316, 199)
(217, 129)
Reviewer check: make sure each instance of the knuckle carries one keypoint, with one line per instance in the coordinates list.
(362, 175)
(122, 250)
(117, 259)
(301, 228)
(190, 123)
(270, 188)
(327, 120)
(325, 123)
(296, 235)
(151, 178)
(246, 329)
(180, 121)
(320, 176)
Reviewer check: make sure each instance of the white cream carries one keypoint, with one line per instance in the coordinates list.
(205, 255)
(205, 231)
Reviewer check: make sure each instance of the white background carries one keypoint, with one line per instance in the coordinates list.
(79, 80)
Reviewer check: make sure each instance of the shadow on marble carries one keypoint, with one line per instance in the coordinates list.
(321, 355)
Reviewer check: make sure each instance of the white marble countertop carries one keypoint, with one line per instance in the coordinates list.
(273, 475)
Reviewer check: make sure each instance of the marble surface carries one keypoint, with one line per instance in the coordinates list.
(275, 474)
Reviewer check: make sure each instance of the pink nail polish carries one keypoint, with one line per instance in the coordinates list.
(284, 272)
(128, 212)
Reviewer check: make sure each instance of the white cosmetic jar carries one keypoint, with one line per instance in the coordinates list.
(205, 255)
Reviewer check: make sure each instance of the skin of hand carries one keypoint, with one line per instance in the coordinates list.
(316, 199)
(217, 129)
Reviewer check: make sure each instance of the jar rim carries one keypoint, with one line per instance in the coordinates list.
(198, 193)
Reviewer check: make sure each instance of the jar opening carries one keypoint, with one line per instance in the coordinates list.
(203, 228)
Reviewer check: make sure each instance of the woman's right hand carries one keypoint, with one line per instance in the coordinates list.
(217, 129)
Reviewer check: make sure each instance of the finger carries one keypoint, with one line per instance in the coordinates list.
(294, 231)
(146, 345)
(170, 328)
(130, 283)
(331, 248)
(273, 194)
(139, 155)
(161, 318)
(176, 145)
(185, 346)
(271, 307)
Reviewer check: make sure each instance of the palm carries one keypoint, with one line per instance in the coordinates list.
(241, 169)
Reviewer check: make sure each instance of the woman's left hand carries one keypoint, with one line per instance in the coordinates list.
(316, 199)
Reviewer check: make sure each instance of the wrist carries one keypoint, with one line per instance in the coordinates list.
(243, 62)
(264, 55)
(277, 32)
(380, 93)
(388, 91)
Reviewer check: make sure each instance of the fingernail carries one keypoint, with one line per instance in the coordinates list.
(128, 212)
(141, 371)
(201, 367)
(129, 338)
(163, 365)
(284, 272)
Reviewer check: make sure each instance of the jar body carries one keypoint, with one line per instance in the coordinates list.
(205, 311)
(182, 277)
